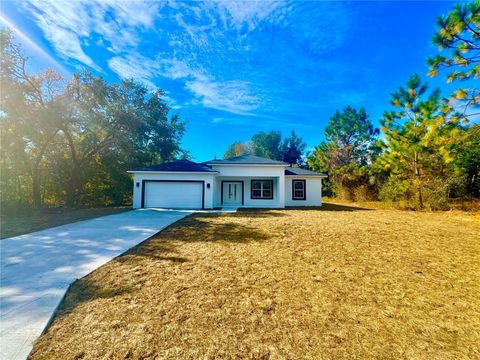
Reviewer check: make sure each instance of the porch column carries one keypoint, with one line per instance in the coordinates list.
(281, 191)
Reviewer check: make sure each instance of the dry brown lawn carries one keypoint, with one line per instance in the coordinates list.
(28, 220)
(283, 284)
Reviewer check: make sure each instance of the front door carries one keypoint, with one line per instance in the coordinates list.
(232, 193)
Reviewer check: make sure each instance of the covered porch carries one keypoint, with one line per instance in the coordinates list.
(249, 191)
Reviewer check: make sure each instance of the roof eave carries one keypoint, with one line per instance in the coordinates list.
(248, 164)
(311, 175)
(172, 172)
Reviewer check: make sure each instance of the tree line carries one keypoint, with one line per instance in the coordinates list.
(270, 145)
(70, 141)
(427, 150)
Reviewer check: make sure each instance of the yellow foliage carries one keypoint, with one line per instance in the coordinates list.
(447, 109)
(439, 121)
(458, 27)
(447, 158)
(461, 94)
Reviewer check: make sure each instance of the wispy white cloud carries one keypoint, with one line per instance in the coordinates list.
(34, 46)
(247, 15)
(178, 69)
(63, 26)
(134, 67)
(232, 96)
(192, 43)
(68, 25)
(229, 120)
(171, 101)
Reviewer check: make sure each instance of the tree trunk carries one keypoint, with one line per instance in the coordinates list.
(75, 173)
(37, 199)
(417, 177)
(420, 196)
(71, 191)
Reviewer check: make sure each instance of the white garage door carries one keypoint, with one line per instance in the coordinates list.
(175, 195)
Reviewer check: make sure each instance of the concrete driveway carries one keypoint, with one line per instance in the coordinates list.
(36, 269)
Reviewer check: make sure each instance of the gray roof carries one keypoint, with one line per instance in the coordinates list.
(246, 159)
(179, 166)
(299, 171)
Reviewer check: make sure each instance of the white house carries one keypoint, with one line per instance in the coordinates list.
(242, 181)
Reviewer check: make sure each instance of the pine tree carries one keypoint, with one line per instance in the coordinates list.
(348, 150)
(292, 149)
(458, 37)
(419, 135)
(268, 145)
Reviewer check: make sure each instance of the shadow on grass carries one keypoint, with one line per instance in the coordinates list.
(198, 228)
(162, 247)
(258, 213)
(84, 290)
(329, 207)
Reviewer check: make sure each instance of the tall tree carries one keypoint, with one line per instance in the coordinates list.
(292, 149)
(236, 149)
(458, 38)
(31, 116)
(353, 134)
(268, 145)
(319, 160)
(74, 141)
(418, 133)
(124, 118)
(349, 147)
(466, 163)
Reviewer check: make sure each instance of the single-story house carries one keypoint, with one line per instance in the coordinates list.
(241, 181)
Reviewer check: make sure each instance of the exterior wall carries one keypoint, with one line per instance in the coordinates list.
(282, 185)
(250, 170)
(313, 193)
(246, 173)
(138, 177)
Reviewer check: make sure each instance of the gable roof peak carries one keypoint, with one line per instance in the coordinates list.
(247, 159)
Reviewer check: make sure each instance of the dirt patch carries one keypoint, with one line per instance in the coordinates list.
(283, 284)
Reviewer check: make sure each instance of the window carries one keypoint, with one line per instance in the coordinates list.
(298, 190)
(262, 189)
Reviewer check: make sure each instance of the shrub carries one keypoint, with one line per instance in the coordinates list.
(395, 189)
(436, 194)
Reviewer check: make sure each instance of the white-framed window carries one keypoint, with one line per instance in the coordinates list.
(299, 191)
(262, 189)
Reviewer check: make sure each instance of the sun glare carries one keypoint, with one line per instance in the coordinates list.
(33, 45)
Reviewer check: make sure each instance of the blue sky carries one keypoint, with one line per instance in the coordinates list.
(235, 68)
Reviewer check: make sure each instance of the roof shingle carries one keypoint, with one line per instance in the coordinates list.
(299, 171)
(246, 159)
(177, 166)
